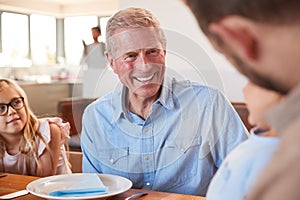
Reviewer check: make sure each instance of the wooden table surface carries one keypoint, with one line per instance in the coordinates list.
(14, 182)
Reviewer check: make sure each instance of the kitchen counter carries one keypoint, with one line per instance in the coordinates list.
(44, 97)
(21, 83)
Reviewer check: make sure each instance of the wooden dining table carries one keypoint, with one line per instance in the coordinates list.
(15, 182)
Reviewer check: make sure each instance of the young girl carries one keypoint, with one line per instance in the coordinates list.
(241, 168)
(29, 145)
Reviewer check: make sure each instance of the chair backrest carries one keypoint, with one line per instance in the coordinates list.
(243, 112)
(75, 159)
(71, 110)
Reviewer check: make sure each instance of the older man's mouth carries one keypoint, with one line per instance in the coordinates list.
(144, 79)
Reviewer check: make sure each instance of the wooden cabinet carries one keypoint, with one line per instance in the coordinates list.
(44, 97)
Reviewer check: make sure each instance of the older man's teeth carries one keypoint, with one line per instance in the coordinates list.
(144, 78)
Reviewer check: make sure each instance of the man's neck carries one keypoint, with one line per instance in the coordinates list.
(141, 106)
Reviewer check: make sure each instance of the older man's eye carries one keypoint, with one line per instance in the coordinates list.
(153, 52)
(130, 57)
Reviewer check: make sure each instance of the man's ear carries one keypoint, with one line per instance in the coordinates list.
(237, 35)
(110, 61)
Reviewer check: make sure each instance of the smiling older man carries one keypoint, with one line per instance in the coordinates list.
(160, 133)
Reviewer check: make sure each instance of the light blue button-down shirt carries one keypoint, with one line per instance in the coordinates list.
(240, 170)
(177, 148)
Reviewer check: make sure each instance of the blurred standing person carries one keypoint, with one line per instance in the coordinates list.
(93, 54)
(161, 133)
(94, 63)
(261, 39)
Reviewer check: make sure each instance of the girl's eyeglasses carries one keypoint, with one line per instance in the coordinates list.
(16, 103)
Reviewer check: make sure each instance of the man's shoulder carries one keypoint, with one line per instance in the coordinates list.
(102, 101)
(195, 86)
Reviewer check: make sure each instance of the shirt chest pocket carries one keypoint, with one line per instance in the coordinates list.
(179, 167)
(114, 157)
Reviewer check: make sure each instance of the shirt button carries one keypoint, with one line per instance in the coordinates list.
(146, 129)
(182, 149)
(111, 160)
(148, 184)
(147, 158)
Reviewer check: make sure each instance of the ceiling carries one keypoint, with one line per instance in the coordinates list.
(61, 8)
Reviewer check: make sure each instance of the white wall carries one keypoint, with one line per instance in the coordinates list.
(189, 52)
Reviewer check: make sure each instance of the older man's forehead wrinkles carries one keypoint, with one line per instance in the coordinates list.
(135, 39)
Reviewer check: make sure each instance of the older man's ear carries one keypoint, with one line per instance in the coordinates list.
(110, 61)
(236, 36)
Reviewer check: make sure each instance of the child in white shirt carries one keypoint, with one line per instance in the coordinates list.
(29, 145)
(241, 168)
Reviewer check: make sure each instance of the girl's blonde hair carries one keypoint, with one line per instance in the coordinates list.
(28, 142)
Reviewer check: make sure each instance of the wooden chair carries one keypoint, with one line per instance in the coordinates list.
(75, 159)
(71, 110)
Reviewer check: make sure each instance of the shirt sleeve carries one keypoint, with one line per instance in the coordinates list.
(227, 129)
(88, 163)
(44, 129)
(64, 128)
(90, 133)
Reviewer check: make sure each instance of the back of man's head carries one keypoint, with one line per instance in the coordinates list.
(266, 11)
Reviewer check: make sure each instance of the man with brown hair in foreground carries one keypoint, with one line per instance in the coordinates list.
(261, 39)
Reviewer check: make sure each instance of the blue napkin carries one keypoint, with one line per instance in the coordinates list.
(91, 185)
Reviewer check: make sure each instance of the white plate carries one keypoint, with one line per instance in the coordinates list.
(43, 186)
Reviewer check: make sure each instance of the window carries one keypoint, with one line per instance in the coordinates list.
(78, 29)
(15, 42)
(17, 52)
(43, 39)
(103, 22)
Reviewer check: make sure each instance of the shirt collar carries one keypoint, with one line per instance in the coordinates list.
(166, 99)
(118, 102)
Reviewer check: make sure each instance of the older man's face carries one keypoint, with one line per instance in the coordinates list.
(139, 61)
